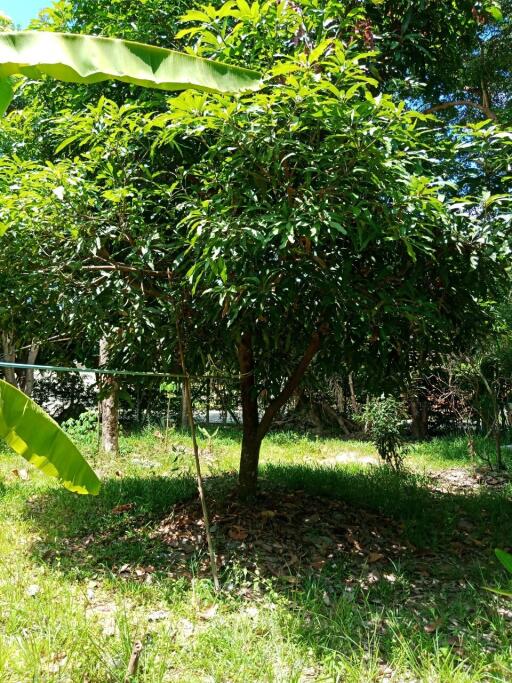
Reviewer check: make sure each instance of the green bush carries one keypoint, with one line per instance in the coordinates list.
(82, 427)
(384, 420)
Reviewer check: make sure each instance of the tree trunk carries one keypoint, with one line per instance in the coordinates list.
(23, 379)
(208, 394)
(9, 352)
(249, 461)
(254, 429)
(251, 443)
(28, 384)
(353, 397)
(419, 418)
(184, 411)
(497, 443)
(109, 407)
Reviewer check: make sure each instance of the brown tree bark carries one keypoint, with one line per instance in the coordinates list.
(353, 397)
(9, 352)
(28, 381)
(184, 411)
(419, 418)
(22, 379)
(254, 429)
(251, 444)
(462, 103)
(109, 407)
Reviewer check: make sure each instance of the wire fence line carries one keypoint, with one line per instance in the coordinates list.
(114, 373)
(143, 397)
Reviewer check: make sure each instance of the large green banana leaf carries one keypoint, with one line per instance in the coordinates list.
(39, 439)
(90, 59)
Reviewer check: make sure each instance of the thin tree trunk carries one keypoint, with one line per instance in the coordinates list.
(419, 418)
(250, 453)
(28, 385)
(109, 407)
(9, 352)
(333, 415)
(184, 411)
(190, 413)
(353, 397)
(497, 442)
(208, 394)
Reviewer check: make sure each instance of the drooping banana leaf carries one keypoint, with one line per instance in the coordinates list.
(90, 59)
(33, 434)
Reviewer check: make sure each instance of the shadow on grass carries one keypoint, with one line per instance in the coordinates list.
(305, 520)
(359, 558)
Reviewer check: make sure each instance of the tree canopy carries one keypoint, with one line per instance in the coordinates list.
(346, 215)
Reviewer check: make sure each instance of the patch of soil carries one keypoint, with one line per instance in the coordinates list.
(282, 534)
(460, 480)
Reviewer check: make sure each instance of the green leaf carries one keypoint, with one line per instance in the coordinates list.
(495, 12)
(6, 94)
(505, 559)
(33, 434)
(90, 59)
(489, 200)
(498, 591)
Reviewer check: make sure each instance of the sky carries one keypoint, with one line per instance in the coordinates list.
(21, 11)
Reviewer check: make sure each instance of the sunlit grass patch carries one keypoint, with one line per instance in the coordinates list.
(387, 584)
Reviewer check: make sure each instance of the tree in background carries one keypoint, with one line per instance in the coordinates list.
(319, 223)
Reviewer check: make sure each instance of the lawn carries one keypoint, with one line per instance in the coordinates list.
(341, 570)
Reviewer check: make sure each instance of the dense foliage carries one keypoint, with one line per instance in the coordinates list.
(324, 225)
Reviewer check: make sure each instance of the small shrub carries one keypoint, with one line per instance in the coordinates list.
(82, 427)
(384, 420)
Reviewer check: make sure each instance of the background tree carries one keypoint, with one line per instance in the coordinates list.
(310, 228)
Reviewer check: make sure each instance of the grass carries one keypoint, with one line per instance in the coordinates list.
(69, 613)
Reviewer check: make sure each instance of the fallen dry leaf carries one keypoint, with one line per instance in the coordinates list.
(238, 534)
(374, 557)
(433, 626)
(21, 474)
(58, 661)
(123, 508)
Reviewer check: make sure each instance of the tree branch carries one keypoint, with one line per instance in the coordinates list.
(290, 386)
(112, 265)
(462, 103)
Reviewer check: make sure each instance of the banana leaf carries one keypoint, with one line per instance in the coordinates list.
(77, 58)
(33, 434)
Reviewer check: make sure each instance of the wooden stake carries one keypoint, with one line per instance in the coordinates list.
(133, 664)
(202, 497)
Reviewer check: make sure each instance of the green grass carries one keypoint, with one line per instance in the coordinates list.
(420, 613)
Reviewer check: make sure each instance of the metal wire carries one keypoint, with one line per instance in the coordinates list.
(114, 373)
